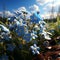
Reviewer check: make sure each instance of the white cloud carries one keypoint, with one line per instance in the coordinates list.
(20, 9)
(49, 15)
(34, 8)
(42, 2)
(50, 5)
(1, 13)
(47, 6)
(8, 14)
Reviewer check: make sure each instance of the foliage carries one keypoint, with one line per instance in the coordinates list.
(21, 51)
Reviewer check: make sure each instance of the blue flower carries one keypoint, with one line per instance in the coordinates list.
(52, 31)
(20, 31)
(6, 37)
(12, 18)
(11, 27)
(34, 35)
(4, 57)
(18, 13)
(27, 37)
(3, 28)
(35, 49)
(20, 46)
(35, 18)
(10, 47)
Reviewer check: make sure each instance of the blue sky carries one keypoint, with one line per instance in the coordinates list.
(44, 6)
(14, 4)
